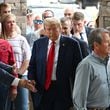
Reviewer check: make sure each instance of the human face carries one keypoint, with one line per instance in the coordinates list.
(10, 25)
(47, 14)
(66, 28)
(78, 25)
(38, 23)
(30, 18)
(52, 31)
(68, 13)
(103, 49)
(5, 10)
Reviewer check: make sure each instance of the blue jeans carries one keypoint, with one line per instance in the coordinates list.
(22, 99)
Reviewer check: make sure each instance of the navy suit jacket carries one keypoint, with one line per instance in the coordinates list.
(83, 46)
(68, 58)
(5, 76)
(88, 30)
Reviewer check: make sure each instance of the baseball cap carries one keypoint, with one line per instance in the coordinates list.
(29, 12)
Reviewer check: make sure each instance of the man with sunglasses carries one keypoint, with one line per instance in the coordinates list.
(38, 23)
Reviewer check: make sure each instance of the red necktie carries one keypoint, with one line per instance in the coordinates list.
(50, 62)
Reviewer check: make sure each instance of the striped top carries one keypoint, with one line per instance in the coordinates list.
(21, 49)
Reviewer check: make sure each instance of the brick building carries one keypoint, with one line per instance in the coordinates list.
(104, 13)
(19, 9)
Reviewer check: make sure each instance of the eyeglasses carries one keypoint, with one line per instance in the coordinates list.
(37, 21)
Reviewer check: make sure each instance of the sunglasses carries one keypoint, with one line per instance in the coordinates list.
(37, 21)
(47, 17)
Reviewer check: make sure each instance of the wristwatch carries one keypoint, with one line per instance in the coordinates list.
(20, 76)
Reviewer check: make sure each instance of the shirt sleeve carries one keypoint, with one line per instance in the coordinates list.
(15, 82)
(81, 86)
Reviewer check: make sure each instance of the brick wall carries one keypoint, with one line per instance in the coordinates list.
(104, 13)
(19, 9)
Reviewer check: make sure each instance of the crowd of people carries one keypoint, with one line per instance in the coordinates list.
(63, 62)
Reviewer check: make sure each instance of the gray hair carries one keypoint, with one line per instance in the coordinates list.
(64, 19)
(96, 35)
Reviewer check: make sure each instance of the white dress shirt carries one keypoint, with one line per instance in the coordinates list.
(15, 82)
(83, 35)
(56, 56)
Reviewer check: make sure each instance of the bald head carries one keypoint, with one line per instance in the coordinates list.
(37, 17)
(38, 22)
(68, 12)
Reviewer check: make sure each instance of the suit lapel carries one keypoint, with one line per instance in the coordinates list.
(43, 56)
(88, 31)
(44, 48)
(62, 47)
(61, 54)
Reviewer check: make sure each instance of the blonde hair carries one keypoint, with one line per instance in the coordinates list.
(3, 27)
(4, 5)
(52, 21)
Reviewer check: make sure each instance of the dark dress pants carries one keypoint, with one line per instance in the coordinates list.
(51, 99)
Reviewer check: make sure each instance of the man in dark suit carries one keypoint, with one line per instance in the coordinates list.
(7, 79)
(84, 47)
(66, 30)
(67, 56)
(78, 27)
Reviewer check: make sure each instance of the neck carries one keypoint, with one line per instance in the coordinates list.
(11, 34)
(53, 39)
(30, 23)
(100, 55)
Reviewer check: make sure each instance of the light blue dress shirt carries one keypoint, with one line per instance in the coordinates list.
(92, 84)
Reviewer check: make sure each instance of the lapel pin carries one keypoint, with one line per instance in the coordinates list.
(63, 44)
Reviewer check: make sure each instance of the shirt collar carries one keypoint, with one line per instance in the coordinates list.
(102, 60)
(83, 31)
(56, 42)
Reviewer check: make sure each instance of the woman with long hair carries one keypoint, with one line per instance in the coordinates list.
(22, 53)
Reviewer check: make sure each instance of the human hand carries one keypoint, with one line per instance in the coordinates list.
(14, 68)
(71, 108)
(29, 84)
